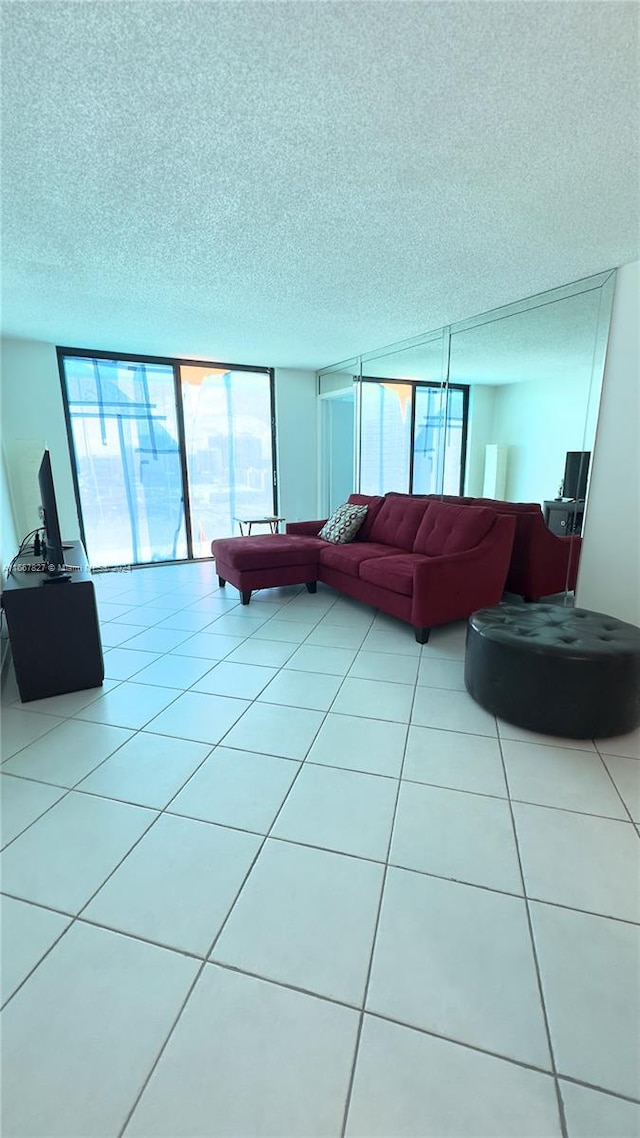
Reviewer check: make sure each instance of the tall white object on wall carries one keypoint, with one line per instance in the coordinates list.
(23, 464)
(495, 471)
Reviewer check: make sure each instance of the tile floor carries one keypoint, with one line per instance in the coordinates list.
(281, 876)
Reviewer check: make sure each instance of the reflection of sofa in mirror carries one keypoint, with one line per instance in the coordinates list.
(541, 563)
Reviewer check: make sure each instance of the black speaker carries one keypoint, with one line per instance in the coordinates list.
(576, 469)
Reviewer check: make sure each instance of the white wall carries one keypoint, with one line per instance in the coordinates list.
(9, 535)
(609, 577)
(32, 419)
(297, 443)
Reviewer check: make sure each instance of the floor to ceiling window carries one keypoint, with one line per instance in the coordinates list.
(412, 437)
(166, 453)
(228, 430)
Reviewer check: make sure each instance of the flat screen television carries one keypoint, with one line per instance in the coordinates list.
(576, 469)
(53, 549)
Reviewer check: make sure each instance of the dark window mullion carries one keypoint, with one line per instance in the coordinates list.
(186, 502)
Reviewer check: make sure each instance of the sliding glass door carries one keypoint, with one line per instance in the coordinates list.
(167, 454)
(123, 425)
(413, 437)
(228, 430)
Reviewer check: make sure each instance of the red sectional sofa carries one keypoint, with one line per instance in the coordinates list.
(421, 560)
(541, 562)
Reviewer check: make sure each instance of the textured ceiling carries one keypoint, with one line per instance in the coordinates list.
(292, 183)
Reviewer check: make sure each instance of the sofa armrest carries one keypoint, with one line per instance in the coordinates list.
(307, 529)
(445, 586)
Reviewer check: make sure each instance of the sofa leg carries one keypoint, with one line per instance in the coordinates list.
(530, 600)
(312, 586)
(245, 596)
(422, 635)
(221, 582)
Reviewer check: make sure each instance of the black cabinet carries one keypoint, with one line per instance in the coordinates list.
(564, 518)
(53, 628)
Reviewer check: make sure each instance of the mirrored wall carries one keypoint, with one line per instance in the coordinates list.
(503, 405)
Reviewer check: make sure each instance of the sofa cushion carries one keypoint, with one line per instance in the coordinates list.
(398, 520)
(348, 558)
(393, 573)
(373, 502)
(447, 528)
(343, 524)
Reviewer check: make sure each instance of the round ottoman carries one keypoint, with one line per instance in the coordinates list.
(560, 671)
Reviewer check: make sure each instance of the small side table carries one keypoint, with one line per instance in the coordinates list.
(272, 521)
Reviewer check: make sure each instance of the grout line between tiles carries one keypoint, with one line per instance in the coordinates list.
(352, 1075)
(534, 950)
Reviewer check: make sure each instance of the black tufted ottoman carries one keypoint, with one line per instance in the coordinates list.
(559, 671)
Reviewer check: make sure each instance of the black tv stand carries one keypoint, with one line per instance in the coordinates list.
(54, 633)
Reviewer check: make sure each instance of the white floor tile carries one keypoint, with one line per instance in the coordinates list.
(447, 641)
(282, 1063)
(450, 833)
(236, 623)
(435, 672)
(560, 776)
(283, 926)
(188, 621)
(287, 631)
(208, 646)
(72, 702)
(349, 613)
(317, 658)
(520, 734)
(27, 933)
(237, 788)
(579, 861)
(626, 745)
(590, 970)
(129, 705)
(177, 886)
(458, 961)
(339, 810)
(451, 711)
(68, 853)
(203, 718)
(242, 681)
(275, 730)
(271, 653)
(372, 746)
(115, 635)
(22, 802)
(625, 773)
(107, 610)
(302, 689)
(123, 663)
(19, 728)
(386, 666)
(147, 771)
(68, 753)
(173, 671)
(401, 642)
(81, 1035)
(455, 760)
(410, 1085)
(375, 699)
(337, 635)
(590, 1114)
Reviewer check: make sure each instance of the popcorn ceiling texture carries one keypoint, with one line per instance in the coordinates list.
(292, 183)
